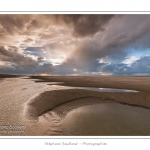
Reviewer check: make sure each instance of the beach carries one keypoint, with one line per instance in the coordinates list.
(55, 105)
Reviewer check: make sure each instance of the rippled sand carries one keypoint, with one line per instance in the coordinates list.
(39, 109)
(14, 94)
(107, 119)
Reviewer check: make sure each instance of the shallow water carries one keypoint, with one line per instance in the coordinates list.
(107, 89)
(107, 119)
(54, 84)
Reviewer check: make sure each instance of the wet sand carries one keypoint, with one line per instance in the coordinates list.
(107, 119)
(138, 83)
(44, 109)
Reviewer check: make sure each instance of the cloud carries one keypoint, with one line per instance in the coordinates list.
(4, 66)
(28, 40)
(140, 66)
(82, 25)
(37, 69)
(121, 34)
(40, 59)
(16, 58)
(56, 34)
(12, 24)
(130, 60)
(74, 44)
(85, 25)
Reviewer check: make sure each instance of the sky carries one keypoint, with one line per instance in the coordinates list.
(69, 44)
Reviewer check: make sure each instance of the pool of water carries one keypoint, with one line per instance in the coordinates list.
(55, 85)
(107, 119)
(107, 89)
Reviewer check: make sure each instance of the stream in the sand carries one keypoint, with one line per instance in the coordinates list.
(107, 119)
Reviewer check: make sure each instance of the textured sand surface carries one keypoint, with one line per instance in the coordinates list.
(14, 94)
(39, 108)
(107, 119)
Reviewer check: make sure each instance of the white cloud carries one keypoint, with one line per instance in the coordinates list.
(130, 60)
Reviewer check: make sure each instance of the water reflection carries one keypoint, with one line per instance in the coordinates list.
(54, 85)
(109, 90)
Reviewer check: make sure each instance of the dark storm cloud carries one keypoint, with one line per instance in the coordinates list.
(89, 51)
(16, 58)
(40, 59)
(14, 23)
(24, 30)
(44, 69)
(84, 43)
(37, 69)
(128, 31)
(85, 25)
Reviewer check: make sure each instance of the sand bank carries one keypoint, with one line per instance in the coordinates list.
(41, 107)
(49, 100)
(137, 83)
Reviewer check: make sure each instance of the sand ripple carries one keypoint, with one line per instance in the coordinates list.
(48, 100)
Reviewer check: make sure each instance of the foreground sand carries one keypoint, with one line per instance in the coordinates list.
(36, 108)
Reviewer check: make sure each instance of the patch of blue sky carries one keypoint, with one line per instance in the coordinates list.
(44, 62)
(35, 53)
(137, 52)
